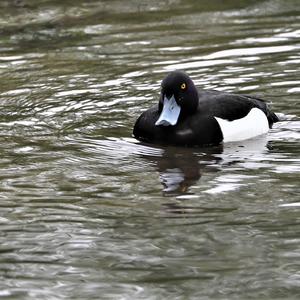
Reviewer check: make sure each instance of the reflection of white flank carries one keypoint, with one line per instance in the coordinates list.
(255, 123)
(172, 178)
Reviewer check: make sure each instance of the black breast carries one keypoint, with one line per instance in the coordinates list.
(196, 130)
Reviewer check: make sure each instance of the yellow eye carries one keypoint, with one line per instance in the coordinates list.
(183, 86)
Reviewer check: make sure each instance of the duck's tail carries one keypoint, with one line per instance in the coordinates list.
(272, 117)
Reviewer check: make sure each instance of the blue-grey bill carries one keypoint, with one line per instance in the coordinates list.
(170, 113)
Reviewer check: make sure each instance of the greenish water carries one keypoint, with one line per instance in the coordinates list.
(86, 211)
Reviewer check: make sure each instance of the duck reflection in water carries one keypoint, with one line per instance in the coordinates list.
(180, 168)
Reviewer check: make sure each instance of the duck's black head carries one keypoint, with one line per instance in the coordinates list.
(179, 98)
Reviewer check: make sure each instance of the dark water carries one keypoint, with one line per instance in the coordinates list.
(87, 211)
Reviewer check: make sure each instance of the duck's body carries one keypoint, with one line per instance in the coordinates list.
(189, 117)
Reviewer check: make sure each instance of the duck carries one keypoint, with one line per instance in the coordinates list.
(189, 116)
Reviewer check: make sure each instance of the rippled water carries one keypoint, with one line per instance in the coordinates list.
(89, 212)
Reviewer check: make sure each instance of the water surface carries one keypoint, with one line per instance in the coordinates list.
(89, 212)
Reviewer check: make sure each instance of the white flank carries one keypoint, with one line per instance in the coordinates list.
(255, 123)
